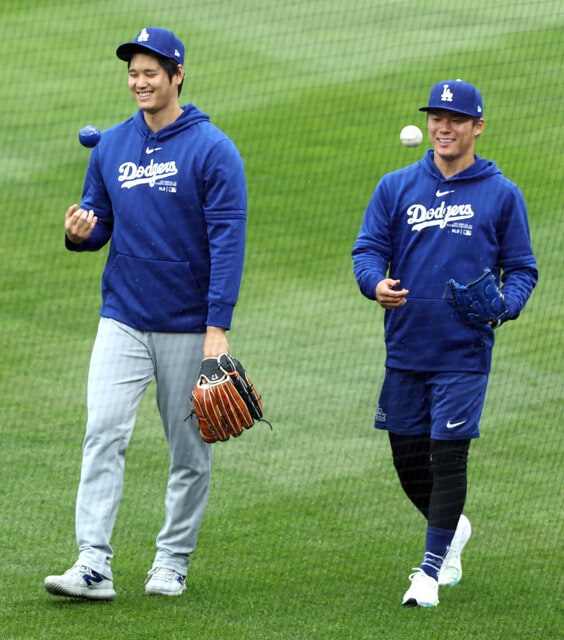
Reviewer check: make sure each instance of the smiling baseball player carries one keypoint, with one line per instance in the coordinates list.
(166, 188)
(450, 217)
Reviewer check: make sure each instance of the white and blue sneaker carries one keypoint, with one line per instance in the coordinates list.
(164, 582)
(424, 590)
(81, 581)
(451, 569)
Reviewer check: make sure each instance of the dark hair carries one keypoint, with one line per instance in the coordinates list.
(475, 119)
(171, 68)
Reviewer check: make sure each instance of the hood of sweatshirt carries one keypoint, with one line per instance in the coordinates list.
(190, 116)
(480, 169)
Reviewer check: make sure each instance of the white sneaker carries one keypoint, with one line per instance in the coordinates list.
(451, 569)
(424, 590)
(165, 582)
(81, 582)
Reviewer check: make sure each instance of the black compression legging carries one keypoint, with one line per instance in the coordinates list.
(433, 475)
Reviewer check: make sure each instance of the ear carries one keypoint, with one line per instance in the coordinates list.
(479, 127)
(179, 76)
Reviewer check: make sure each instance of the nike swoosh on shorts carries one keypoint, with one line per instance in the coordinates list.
(453, 425)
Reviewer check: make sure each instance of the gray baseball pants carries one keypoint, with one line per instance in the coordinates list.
(124, 362)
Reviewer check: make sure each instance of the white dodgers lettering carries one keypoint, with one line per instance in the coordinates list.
(419, 217)
(132, 175)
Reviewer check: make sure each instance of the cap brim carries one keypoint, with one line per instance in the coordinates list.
(129, 49)
(464, 113)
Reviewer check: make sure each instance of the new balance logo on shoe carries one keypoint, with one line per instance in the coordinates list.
(92, 578)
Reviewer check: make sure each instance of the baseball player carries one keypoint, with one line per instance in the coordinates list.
(167, 189)
(451, 215)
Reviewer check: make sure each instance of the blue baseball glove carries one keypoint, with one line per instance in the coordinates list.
(480, 302)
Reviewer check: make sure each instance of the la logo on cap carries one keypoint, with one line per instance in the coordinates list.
(143, 36)
(447, 94)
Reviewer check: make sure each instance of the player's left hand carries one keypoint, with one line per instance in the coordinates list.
(480, 303)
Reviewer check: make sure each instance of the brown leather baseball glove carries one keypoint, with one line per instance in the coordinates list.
(225, 400)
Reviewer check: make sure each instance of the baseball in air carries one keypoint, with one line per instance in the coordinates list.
(411, 136)
(89, 136)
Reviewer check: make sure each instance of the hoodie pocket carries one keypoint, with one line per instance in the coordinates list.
(154, 294)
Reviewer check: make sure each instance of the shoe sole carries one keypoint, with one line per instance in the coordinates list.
(452, 582)
(412, 602)
(155, 592)
(60, 590)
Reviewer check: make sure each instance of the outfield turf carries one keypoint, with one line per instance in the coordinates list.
(307, 534)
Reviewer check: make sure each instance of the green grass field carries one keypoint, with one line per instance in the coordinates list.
(307, 534)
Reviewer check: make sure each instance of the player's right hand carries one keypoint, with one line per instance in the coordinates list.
(79, 224)
(388, 296)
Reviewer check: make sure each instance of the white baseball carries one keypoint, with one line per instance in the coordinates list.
(411, 136)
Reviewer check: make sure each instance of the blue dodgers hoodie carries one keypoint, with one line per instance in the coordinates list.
(174, 205)
(424, 229)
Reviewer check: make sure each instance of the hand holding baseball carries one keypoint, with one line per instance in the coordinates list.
(388, 296)
(79, 224)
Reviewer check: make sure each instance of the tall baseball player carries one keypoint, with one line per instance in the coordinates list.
(449, 216)
(167, 189)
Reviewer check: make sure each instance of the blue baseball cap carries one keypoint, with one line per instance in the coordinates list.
(154, 40)
(457, 96)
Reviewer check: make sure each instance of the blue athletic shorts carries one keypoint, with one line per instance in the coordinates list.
(447, 406)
